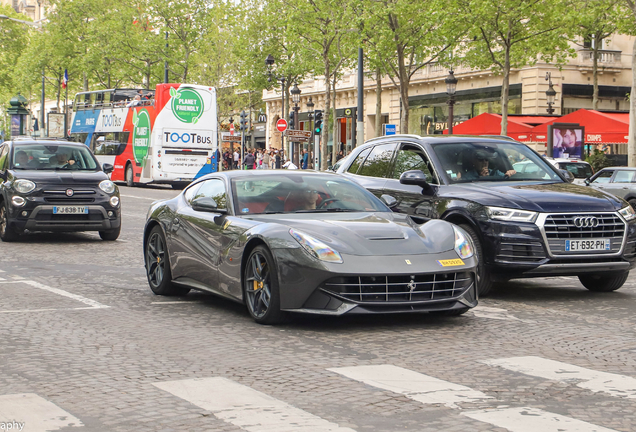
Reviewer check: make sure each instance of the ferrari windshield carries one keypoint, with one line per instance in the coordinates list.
(52, 157)
(493, 161)
(287, 193)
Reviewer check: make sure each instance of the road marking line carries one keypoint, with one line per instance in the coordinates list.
(496, 313)
(414, 385)
(245, 407)
(133, 216)
(138, 197)
(614, 384)
(92, 303)
(2, 279)
(532, 420)
(46, 310)
(35, 413)
(173, 302)
(1, 271)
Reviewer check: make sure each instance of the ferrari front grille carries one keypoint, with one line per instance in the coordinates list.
(400, 288)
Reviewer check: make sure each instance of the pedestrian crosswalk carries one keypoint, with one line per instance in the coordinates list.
(256, 411)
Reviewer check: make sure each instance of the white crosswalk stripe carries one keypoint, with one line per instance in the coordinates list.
(533, 420)
(28, 412)
(414, 385)
(247, 408)
(613, 384)
(429, 390)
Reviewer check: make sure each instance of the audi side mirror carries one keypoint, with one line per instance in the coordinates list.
(416, 178)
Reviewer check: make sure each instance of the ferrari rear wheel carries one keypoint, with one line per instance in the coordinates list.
(158, 266)
(260, 287)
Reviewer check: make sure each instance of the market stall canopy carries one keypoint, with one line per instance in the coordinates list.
(600, 127)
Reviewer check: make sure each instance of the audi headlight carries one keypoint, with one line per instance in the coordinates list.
(511, 215)
(107, 186)
(463, 244)
(628, 213)
(24, 186)
(315, 247)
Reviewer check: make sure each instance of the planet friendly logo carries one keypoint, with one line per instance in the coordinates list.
(187, 105)
(141, 134)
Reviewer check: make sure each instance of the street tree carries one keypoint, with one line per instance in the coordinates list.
(507, 34)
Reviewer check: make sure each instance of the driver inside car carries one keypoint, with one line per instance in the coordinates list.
(479, 168)
(302, 199)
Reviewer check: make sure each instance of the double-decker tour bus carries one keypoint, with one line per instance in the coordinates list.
(168, 136)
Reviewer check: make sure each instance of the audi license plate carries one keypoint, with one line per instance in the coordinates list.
(70, 210)
(587, 245)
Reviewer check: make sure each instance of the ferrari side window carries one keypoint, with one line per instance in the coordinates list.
(214, 189)
(190, 193)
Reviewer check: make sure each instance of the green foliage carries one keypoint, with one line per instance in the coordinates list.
(598, 160)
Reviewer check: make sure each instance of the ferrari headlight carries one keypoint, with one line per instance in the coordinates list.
(24, 186)
(463, 245)
(107, 186)
(315, 247)
(628, 213)
(511, 215)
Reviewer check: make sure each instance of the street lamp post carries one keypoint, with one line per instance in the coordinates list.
(550, 93)
(451, 88)
(310, 108)
(269, 62)
(295, 95)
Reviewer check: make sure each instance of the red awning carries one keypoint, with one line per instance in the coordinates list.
(490, 124)
(600, 128)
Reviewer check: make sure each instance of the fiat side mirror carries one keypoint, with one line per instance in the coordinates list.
(108, 168)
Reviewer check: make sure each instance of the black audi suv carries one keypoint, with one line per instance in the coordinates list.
(526, 219)
(50, 185)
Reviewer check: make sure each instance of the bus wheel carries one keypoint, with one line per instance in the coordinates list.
(129, 176)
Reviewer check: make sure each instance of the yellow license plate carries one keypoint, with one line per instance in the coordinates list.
(451, 262)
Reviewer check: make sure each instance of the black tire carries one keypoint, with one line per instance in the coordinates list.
(110, 235)
(604, 282)
(260, 287)
(7, 234)
(130, 176)
(632, 202)
(157, 263)
(484, 280)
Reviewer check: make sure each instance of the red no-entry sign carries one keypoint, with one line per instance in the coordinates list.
(281, 125)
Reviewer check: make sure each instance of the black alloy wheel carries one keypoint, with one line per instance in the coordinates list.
(260, 287)
(158, 265)
(130, 179)
(484, 280)
(6, 233)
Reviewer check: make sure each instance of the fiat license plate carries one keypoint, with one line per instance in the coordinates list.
(70, 210)
(587, 245)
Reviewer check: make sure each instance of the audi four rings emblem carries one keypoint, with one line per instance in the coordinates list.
(586, 222)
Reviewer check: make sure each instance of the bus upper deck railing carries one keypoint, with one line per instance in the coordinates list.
(82, 106)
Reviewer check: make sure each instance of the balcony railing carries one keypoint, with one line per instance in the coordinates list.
(606, 58)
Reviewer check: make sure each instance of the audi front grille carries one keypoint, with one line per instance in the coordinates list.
(561, 227)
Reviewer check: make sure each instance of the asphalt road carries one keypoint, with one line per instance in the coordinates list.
(86, 346)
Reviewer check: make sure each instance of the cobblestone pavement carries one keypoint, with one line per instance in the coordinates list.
(86, 346)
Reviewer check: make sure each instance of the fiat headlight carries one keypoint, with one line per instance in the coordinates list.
(511, 215)
(107, 186)
(316, 248)
(463, 245)
(24, 186)
(628, 213)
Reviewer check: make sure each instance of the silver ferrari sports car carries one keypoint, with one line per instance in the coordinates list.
(308, 242)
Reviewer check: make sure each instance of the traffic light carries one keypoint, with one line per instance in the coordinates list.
(291, 120)
(318, 121)
(243, 121)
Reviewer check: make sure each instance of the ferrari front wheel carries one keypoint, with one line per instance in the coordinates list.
(158, 265)
(260, 287)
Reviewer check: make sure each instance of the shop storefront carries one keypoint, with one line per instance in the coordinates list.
(429, 113)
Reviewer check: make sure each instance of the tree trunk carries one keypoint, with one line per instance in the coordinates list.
(325, 119)
(336, 147)
(378, 102)
(631, 143)
(85, 82)
(595, 72)
(505, 90)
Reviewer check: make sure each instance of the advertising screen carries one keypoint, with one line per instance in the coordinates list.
(567, 141)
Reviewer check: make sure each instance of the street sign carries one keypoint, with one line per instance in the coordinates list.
(227, 137)
(298, 135)
(281, 125)
(390, 129)
(231, 128)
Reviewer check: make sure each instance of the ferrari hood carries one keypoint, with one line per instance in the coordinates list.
(374, 233)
